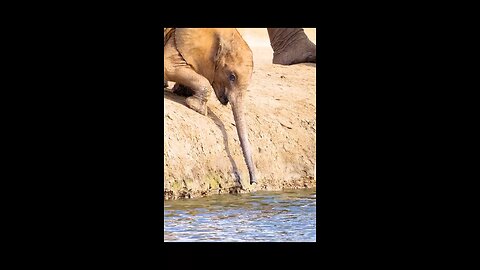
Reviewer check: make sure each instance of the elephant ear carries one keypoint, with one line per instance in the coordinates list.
(199, 47)
(223, 47)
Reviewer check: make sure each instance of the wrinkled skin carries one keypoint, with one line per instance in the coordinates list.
(202, 60)
(291, 46)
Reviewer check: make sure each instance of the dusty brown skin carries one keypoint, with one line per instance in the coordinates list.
(203, 60)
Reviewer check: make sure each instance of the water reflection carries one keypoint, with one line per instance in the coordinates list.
(261, 216)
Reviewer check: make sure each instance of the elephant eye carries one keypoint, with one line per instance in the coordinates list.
(232, 77)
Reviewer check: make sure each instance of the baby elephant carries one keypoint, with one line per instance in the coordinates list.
(203, 60)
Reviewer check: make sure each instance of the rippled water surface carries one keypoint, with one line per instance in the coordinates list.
(289, 215)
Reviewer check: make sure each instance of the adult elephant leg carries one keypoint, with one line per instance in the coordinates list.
(291, 46)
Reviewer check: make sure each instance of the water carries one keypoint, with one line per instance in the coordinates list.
(286, 216)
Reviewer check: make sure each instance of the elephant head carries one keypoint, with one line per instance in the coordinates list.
(223, 57)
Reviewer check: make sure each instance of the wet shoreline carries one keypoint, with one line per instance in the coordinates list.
(285, 216)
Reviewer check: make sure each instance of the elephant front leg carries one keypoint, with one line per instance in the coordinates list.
(198, 103)
(199, 85)
(182, 90)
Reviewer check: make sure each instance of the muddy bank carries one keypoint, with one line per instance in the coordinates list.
(202, 152)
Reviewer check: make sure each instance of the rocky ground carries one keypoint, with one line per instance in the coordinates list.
(201, 152)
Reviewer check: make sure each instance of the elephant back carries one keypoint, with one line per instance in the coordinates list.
(167, 34)
(198, 47)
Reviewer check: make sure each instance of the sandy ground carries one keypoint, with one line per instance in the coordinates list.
(201, 152)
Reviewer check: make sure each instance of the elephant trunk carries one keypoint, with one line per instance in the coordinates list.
(239, 116)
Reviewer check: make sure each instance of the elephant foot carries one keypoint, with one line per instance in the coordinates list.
(197, 105)
(291, 46)
(182, 90)
(301, 51)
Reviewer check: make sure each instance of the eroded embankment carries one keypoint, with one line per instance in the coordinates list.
(201, 152)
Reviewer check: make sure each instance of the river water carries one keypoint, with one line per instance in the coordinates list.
(286, 216)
